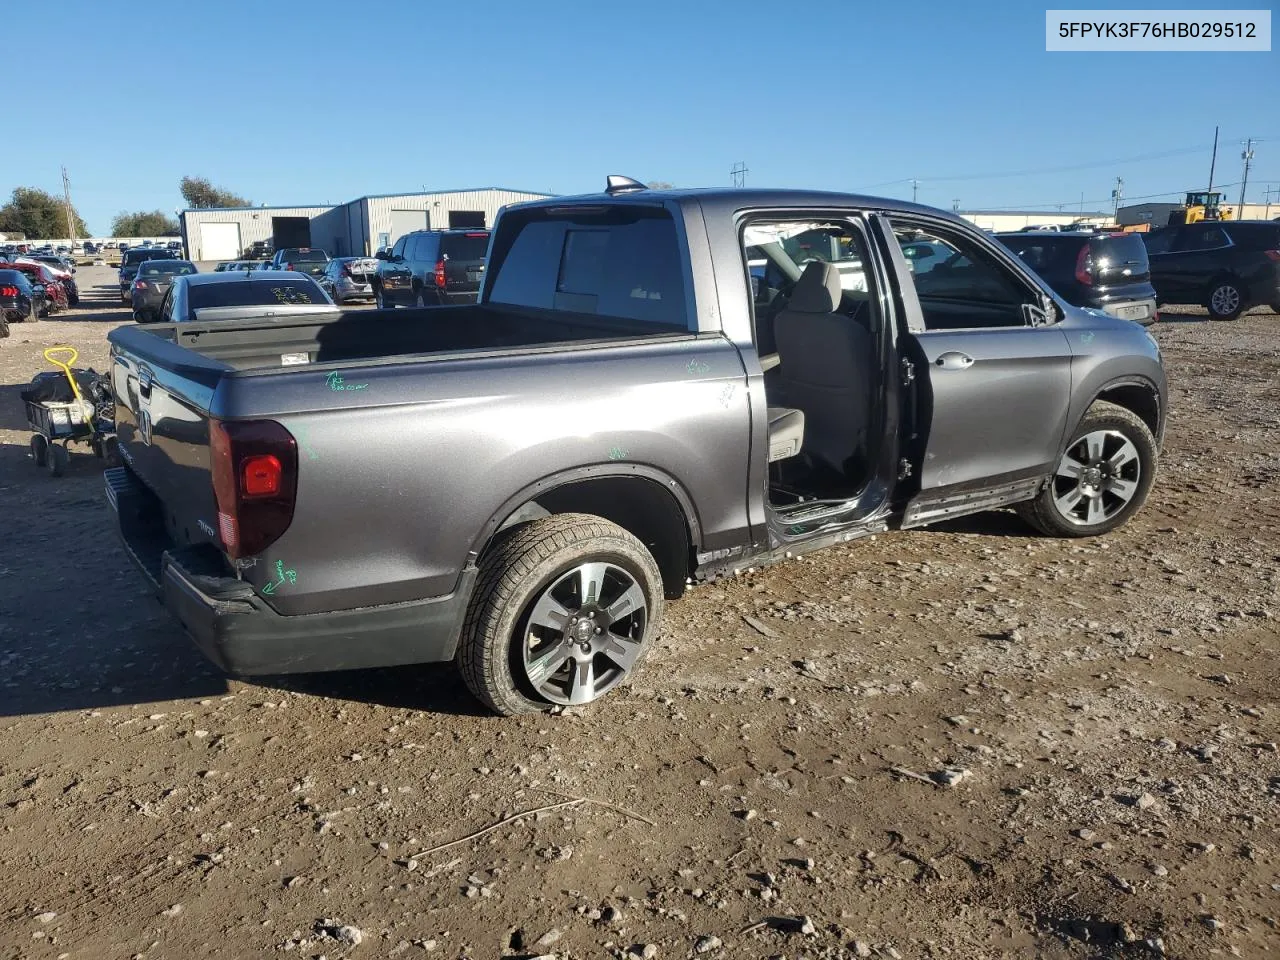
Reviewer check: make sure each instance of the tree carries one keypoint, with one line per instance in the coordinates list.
(199, 192)
(39, 215)
(152, 223)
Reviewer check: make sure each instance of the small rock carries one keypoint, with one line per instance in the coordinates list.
(861, 948)
(1213, 923)
(707, 943)
(745, 814)
(172, 911)
(1084, 833)
(548, 938)
(646, 951)
(349, 935)
(47, 917)
(1159, 869)
(1145, 802)
(950, 776)
(807, 927)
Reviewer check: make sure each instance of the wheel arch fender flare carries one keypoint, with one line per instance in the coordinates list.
(530, 494)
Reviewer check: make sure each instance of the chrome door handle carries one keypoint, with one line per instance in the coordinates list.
(953, 360)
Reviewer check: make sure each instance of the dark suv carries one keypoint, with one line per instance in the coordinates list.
(133, 258)
(432, 267)
(1106, 271)
(1226, 266)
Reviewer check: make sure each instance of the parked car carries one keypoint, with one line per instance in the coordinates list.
(50, 294)
(152, 283)
(310, 260)
(369, 489)
(129, 264)
(174, 246)
(431, 267)
(258, 250)
(64, 271)
(1105, 271)
(1226, 266)
(18, 301)
(238, 294)
(90, 247)
(349, 278)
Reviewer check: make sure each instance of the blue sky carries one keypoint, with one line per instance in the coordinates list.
(384, 97)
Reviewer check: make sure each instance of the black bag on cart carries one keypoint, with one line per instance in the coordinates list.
(51, 386)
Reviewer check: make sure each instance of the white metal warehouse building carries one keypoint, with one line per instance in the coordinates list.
(358, 228)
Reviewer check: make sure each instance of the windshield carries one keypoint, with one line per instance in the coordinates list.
(252, 293)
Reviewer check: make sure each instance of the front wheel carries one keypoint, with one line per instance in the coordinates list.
(564, 609)
(1226, 301)
(379, 300)
(1102, 479)
(58, 460)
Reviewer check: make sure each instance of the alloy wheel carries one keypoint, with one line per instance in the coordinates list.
(1096, 478)
(1225, 300)
(584, 633)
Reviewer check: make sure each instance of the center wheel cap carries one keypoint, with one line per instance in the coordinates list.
(583, 630)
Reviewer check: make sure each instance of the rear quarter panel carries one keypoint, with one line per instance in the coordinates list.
(402, 465)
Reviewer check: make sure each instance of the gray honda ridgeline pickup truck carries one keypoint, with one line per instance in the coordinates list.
(654, 389)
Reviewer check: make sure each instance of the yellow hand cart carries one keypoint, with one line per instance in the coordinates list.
(57, 422)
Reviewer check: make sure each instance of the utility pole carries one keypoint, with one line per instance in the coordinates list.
(66, 195)
(1117, 195)
(955, 205)
(1213, 161)
(1247, 157)
(739, 174)
(915, 188)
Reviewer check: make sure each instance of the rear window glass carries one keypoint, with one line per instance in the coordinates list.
(252, 293)
(305, 256)
(166, 268)
(626, 264)
(13, 276)
(1256, 236)
(465, 246)
(1126, 249)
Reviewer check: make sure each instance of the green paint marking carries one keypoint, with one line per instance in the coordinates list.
(283, 576)
(303, 436)
(337, 382)
(696, 366)
(617, 453)
(1087, 337)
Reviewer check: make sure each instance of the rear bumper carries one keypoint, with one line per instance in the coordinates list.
(238, 631)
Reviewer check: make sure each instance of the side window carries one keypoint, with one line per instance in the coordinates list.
(1158, 241)
(398, 249)
(960, 284)
(1203, 236)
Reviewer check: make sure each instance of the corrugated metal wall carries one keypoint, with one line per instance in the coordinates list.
(254, 222)
(437, 206)
(355, 228)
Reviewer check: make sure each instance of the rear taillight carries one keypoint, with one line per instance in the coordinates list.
(440, 280)
(139, 284)
(1272, 254)
(8, 291)
(1084, 266)
(254, 464)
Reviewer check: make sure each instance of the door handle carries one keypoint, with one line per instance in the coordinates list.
(952, 360)
(144, 383)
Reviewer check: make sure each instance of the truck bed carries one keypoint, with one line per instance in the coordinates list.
(364, 335)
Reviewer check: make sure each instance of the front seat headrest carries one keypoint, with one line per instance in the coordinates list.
(818, 290)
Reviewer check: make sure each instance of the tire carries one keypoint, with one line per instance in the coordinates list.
(73, 300)
(39, 449)
(378, 300)
(59, 459)
(1225, 300)
(419, 301)
(519, 574)
(1093, 475)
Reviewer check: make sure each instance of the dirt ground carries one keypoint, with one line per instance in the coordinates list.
(1107, 709)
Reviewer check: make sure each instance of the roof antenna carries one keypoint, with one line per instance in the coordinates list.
(616, 184)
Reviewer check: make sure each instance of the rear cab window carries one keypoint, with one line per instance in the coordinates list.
(622, 261)
(251, 293)
(465, 246)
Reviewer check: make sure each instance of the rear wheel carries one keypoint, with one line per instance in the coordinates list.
(379, 300)
(419, 301)
(1225, 301)
(1102, 479)
(58, 459)
(563, 611)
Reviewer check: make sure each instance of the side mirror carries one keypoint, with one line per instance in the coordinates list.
(382, 255)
